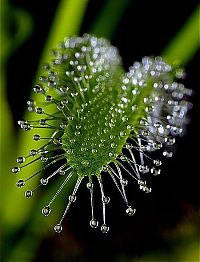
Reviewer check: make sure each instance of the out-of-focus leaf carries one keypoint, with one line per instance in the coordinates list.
(9, 43)
(67, 21)
(186, 42)
(108, 20)
(18, 209)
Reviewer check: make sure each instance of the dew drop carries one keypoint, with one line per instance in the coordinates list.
(113, 145)
(62, 172)
(94, 223)
(89, 185)
(143, 122)
(62, 125)
(20, 183)
(167, 154)
(58, 228)
(129, 127)
(130, 211)
(44, 159)
(143, 169)
(106, 200)
(42, 122)
(134, 108)
(56, 141)
(169, 141)
(157, 162)
(46, 211)
(28, 193)
(85, 162)
(33, 152)
(123, 158)
(129, 146)
(21, 122)
(149, 109)
(72, 198)
(38, 89)
(122, 133)
(157, 124)
(145, 133)
(104, 168)
(78, 126)
(155, 172)
(124, 118)
(15, 169)
(111, 154)
(44, 181)
(36, 137)
(49, 98)
(20, 159)
(146, 189)
(39, 110)
(157, 145)
(124, 182)
(104, 228)
(143, 147)
(25, 126)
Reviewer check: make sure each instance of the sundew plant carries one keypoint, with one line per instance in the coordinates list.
(104, 122)
(110, 86)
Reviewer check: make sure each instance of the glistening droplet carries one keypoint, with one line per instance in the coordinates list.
(130, 211)
(46, 211)
(15, 169)
(94, 223)
(104, 228)
(58, 228)
(20, 183)
(28, 193)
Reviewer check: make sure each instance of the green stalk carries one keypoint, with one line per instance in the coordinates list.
(67, 22)
(108, 19)
(186, 43)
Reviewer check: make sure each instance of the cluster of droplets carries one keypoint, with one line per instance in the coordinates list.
(102, 121)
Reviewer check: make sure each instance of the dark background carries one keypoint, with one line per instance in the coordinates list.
(145, 29)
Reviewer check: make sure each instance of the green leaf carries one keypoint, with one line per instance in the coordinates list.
(186, 42)
(109, 18)
(67, 22)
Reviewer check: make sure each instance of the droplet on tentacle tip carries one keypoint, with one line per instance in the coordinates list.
(104, 228)
(36, 137)
(124, 182)
(130, 211)
(28, 193)
(72, 198)
(20, 183)
(167, 154)
(157, 162)
(20, 159)
(33, 152)
(15, 169)
(89, 185)
(44, 181)
(169, 141)
(38, 89)
(46, 211)
(94, 223)
(155, 172)
(58, 228)
(105, 200)
(157, 145)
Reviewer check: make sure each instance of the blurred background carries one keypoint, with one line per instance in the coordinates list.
(166, 225)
